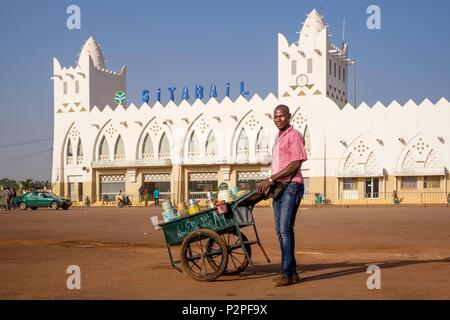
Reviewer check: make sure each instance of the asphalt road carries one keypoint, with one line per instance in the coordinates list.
(121, 256)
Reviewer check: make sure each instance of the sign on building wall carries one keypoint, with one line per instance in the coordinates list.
(199, 92)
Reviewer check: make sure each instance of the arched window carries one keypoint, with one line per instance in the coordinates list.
(79, 152)
(147, 148)
(262, 146)
(307, 138)
(211, 145)
(103, 150)
(119, 149)
(69, 152)
(261, 141)
(164, 148)
(69, 149)
(242, 146)
(79, 149)
(194, 146)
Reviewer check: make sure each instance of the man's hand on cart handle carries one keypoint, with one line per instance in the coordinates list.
(265, 186)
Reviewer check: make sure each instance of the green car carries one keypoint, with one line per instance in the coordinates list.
(39, 199)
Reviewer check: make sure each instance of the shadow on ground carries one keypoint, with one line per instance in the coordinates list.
(270, 270)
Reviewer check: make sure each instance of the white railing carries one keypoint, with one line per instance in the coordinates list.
(119, 157)
(148, 156)
(79, 159)
(242, 156)
(262, 152)
(69, 160)
(104, 157)
(262, 155)
(194, 155)
(164, 156)
(211, 156)
(358, 198)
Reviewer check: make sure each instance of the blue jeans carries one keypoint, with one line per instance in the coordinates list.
(285, 210)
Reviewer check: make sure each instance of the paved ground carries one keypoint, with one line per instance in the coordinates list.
(121, 256)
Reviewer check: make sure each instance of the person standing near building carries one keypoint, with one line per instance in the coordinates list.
(141, 192)
(287, 158)
(7, 194)
(146, 196)
(14, 194)
(156, 196)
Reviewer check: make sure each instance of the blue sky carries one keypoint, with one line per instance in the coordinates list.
(177, 43)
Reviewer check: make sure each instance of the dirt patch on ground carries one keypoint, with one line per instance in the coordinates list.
(121, 256)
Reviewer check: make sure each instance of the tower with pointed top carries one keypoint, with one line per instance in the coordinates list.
(88, 84)
(313, 65)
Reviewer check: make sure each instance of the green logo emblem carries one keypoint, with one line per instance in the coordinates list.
(120, 98)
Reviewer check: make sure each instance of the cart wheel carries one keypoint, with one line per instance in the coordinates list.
(237, 261)
(204, 255)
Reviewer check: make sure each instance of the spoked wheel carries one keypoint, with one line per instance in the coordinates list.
(237, 261)
(204, 255)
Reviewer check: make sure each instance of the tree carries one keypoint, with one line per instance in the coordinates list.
(26, 185)
(5, 182)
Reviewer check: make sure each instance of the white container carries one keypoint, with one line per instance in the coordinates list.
(225, 195)
(155, 222)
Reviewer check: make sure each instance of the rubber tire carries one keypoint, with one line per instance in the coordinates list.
(212, 235)
(23, 205)
(52, 205)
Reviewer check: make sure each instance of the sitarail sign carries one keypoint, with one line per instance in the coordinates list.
(199, 92)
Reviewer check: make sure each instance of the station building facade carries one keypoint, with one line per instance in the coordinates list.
(356, 154)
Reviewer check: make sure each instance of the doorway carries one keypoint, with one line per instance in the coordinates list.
(372, 187)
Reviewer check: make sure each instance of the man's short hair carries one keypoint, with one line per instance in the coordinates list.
(282, 106)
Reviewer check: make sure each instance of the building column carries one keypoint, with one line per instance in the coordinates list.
(177, 184)
(131, 185)
(224, 175)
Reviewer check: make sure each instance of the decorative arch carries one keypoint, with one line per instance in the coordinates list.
(359, 159)
(72, 133)
(299, 121)
(418, 153)
(201, 129)
(150, 139)
(251, 124)
(108, 132)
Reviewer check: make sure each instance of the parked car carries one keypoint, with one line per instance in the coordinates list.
(40, 199)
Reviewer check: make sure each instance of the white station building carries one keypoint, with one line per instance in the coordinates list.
(356, 154)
